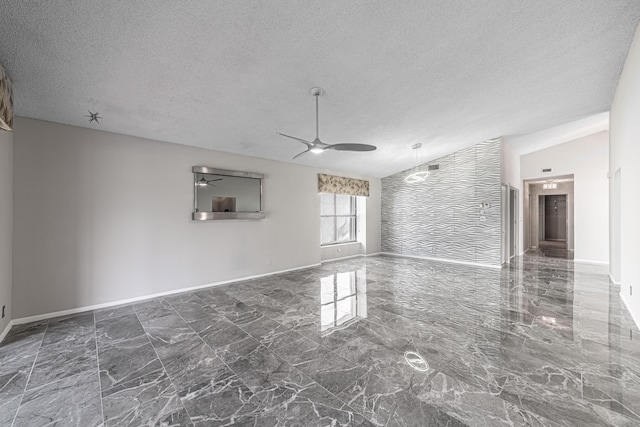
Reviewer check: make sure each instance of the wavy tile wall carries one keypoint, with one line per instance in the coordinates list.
(442, 217)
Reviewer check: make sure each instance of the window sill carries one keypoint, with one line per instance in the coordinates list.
(333, 245)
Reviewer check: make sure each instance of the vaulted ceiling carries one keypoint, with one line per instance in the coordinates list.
(228, 75)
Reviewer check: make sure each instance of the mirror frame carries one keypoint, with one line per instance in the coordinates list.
(210, 216)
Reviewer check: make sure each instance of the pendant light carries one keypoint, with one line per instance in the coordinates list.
(417, 176)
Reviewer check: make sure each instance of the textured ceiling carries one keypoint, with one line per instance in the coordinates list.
(228, 75)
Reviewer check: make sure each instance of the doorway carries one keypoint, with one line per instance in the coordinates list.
(553, 219)
(548, 216)
(513, 222)
(509, 223)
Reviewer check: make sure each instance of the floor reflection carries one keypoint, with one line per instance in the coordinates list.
(543, 341)
(343, 299)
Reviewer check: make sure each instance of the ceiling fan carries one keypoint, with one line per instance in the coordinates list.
(316, 146)
(203, 182)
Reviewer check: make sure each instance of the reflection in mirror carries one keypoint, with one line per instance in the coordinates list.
(226, 194)
(220, 193)
(343, 299)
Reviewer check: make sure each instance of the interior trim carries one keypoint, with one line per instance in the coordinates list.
(627, 305)
(613, 281)
(587, 261)
(6, 330)
(37, 317)
(452, 261)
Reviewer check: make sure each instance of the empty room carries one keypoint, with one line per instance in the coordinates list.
(311, 213)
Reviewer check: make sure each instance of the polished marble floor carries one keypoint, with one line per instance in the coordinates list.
(378, 341)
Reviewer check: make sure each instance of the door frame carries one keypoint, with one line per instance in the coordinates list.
(514, 216)
(504, 226)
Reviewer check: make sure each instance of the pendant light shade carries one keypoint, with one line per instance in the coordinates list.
(416, 176)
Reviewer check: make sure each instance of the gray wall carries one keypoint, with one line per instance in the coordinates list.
(6, 223)
(441, 218)
(91, 229)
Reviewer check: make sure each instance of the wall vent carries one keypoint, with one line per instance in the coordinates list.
(434, 167)
(546, 170)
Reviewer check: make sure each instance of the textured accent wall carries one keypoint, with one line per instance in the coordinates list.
(442, 217)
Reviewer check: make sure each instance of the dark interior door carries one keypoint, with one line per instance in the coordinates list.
(555, 217)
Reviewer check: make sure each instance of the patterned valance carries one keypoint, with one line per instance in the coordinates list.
(6, 101)
(341, 185)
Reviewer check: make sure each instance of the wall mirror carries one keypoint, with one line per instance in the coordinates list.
(226, 194)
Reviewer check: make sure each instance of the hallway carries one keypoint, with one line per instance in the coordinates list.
(384, 341)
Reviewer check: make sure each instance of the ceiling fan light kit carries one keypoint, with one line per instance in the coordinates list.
(203, 182)
(317, 146)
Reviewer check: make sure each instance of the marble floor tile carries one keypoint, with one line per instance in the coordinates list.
(303, 412)
(331, 371)
(219, 300)
(222, 400)
(411, 411)
(373, 397)
(123, 327)
(126, 360)
(110, 313)
(189, 362)
(14, 375)
(149, 310)
(191, 307)
(64, 359)
(69, 328)
(265, 373)
(19, 345)
(218, 332)
(73, 401)
(167, 329)
(148, 400)
(542, 342)
(272, 334)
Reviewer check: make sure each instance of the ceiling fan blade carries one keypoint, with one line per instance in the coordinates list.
(213, 180)
(307, 143)
(300, 154)
(351, 147)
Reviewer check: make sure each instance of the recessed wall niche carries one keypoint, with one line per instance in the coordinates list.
(221, 194)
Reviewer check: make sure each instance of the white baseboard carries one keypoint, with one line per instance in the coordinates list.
(613, 281)
(350, 256)
(37, 317)
(588, 261)
(451, 261)
(627, 305)
(342, 258)
(6, 330)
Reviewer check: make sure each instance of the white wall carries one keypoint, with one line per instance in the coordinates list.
(587, 159)
(625, 155)
(6, 223)
(510, 175)
(90, 228)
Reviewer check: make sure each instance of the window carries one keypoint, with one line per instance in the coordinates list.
(337, 218)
